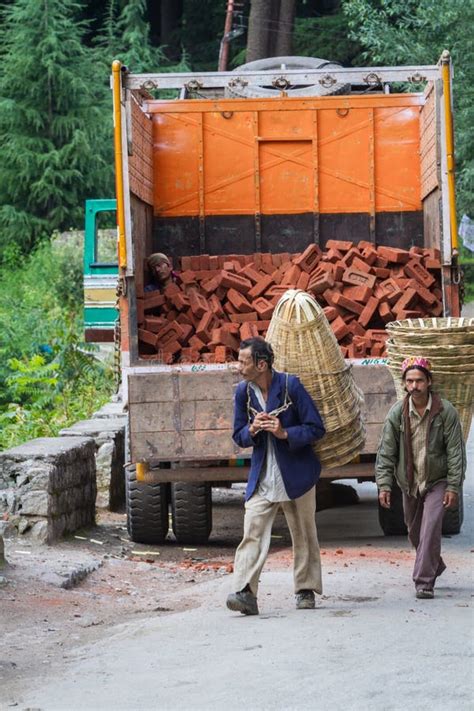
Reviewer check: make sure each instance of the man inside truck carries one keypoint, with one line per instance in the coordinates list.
(161, 272)
(276, 416)
(422, 447)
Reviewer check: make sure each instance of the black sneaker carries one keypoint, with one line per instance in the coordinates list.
(305, 600)
(243, 601)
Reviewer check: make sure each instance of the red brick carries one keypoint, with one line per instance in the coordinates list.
(339, 328)
(180, 301)
(364, 244)
(220, 337)
(185, 263)
(239, 301)
(321, 284)
(438, 293)
(405, 302)
(172, 315)
(349, 256)
(262, 326)
(357, 278)
(206, 325)
(147, 337)
(330, 312)
(213, 262)
(215, 306)
(242, 318)
(188, 331)
(276, 259)
(393, 255)
(378, 349)
(291, 276)
(431, 264)
(308, 259)
(248, 330)
(171, 290)
(207, 358)
(424, 294)
(183, 318)
(361, 265)
(388, 290)
(230, 308)
(436, 309)
(267, 263)
(276, 291)
(231, 327)
(172, 347)
(345, 303)
(332, 255)
(369, 255)
(199, 305)
(303, 281)
(171, 332)
(154, 324)
(358, 293)
(380, 262)
(153, 300)
(196, 343)
(189, 355)
(263, 307)
(417, 271)
(369, 310)
(381, 272)
(229, 266)
(210, 286)
(250, 273)
(355, 328)
(433, 253)
(377, 334)
(222, 354)
(357, 350)
(236, 281)
(262, 286)
(340, 245)
(385, 312)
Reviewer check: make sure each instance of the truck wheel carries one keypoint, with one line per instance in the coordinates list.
(392, 520)
(453, 518)
(191, 509)
(147, 510)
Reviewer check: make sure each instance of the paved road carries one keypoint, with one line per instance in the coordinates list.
(369, 646)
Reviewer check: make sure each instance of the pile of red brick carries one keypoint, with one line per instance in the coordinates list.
(221, 300)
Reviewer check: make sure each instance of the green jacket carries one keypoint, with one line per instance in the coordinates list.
(446, 451)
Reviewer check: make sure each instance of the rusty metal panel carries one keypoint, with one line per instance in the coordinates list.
(429, 148)
(140, 159)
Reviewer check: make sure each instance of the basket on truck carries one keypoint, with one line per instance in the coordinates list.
(228, 178)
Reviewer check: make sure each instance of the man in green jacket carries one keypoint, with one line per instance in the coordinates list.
(423, 448)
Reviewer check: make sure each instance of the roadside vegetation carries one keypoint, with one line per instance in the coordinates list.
(49, 378)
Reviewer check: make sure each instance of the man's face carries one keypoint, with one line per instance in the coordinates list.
(162, 270)
(417, 384)
(247, 368)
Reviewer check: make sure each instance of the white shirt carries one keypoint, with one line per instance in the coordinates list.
(270, 483)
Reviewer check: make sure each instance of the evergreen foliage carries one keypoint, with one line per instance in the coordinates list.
(417, 32)
(55, 147)
(49, 378)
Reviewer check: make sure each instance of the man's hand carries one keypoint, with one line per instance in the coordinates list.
(384, 499)
(272, 424)
(258, 423)
(450, 500)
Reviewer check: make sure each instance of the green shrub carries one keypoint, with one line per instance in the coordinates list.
(49, 377)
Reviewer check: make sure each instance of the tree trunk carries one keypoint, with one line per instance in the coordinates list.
(170, 17)
(283, 45)
(258, 34)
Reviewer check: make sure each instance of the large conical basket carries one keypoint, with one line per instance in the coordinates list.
(449, 345)
(305, 346)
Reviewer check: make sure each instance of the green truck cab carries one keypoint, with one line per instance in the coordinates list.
(100, 271)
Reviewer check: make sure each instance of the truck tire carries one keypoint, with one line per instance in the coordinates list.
(239, 90)
(147, 510)
(392, 520)
(453, 518)
(191, 509)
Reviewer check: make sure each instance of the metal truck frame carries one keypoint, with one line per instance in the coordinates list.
(180, 416)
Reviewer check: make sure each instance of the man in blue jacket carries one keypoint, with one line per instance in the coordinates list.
(276, 416)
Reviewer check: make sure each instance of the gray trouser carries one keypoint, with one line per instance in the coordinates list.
(253, 550)
(424, 520)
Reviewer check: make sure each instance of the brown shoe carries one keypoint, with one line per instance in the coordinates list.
(425, 594)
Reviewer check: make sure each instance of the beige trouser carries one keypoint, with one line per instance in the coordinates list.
(253, 550)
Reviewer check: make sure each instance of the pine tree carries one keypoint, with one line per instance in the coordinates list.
(55, 122)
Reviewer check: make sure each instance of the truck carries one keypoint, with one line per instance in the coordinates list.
(266, 159)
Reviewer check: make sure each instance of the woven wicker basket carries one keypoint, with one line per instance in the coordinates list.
(449, 345)
(305, 345)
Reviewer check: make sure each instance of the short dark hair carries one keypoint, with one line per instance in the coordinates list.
(425, 372)
(260, 349)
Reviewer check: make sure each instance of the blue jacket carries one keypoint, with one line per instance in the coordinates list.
(299, 466)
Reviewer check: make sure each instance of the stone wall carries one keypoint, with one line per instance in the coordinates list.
(108, 432)
(48, 486)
